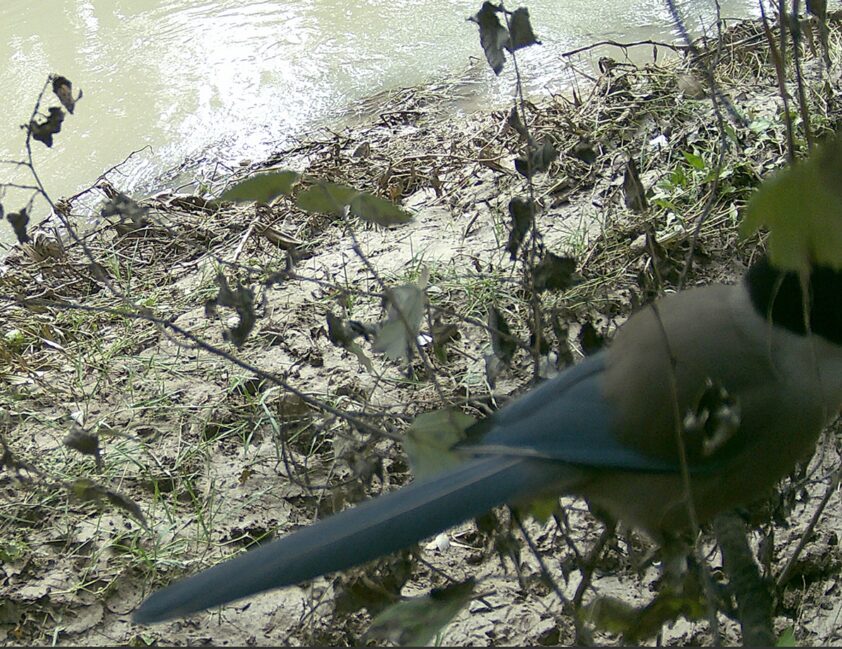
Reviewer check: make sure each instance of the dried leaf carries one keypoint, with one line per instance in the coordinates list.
(539, 159)
(584, 151)
(337, 332)
(19, 221)
(132, 214)
(89, 491)
(63, 89)
(520, 30)
(242, 301)
(554, 273)
(396, 338)
(84, 442)
(493, 37)
(443, 333)
(340, 334)
(636, 624)
(633, 191)
(493, 368)
(818, 8)
(590, 339)
(521, 211)
(43, 131)
(513, 120)
(125, 503)
(502, 341)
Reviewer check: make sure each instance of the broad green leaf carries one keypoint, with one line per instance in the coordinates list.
(542, 508)
(802, 208)
(378, 210)
(415, 622)
(327, 198)
(760, 126)
(665, 204)
(261, 188)
(393, 340)
(695, 161)
(430, 440)
(397, 335)
(636, 624)
(787, 638)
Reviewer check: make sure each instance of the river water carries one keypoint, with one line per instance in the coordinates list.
(235, 79)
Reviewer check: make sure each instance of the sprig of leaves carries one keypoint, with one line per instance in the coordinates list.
(324, 197)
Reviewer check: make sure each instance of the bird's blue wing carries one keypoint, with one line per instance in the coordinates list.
(568, 419)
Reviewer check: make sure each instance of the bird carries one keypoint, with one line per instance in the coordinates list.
(703, 401)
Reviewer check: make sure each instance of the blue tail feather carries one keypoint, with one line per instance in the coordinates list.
(370, 530)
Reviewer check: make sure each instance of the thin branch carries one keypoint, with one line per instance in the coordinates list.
(585, 48)
(784, 576)
(540, 559)
(31, 188)
(212, 349)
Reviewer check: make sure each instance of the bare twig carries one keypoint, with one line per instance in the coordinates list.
(784, 575)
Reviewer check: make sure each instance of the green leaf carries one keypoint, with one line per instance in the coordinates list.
(416, 621)
(787, 638)
(327, 198)
(695, 161)
(261, 188)
(665, 204)
(378, 210)
(542, 508)
(760, 126)
(396, 337)
(802, 208)
(12, 550)
(430, 440)
(636, 624)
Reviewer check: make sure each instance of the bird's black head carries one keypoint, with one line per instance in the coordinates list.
(778, 296)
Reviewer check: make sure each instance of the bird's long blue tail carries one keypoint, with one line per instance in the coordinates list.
(370, 530)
